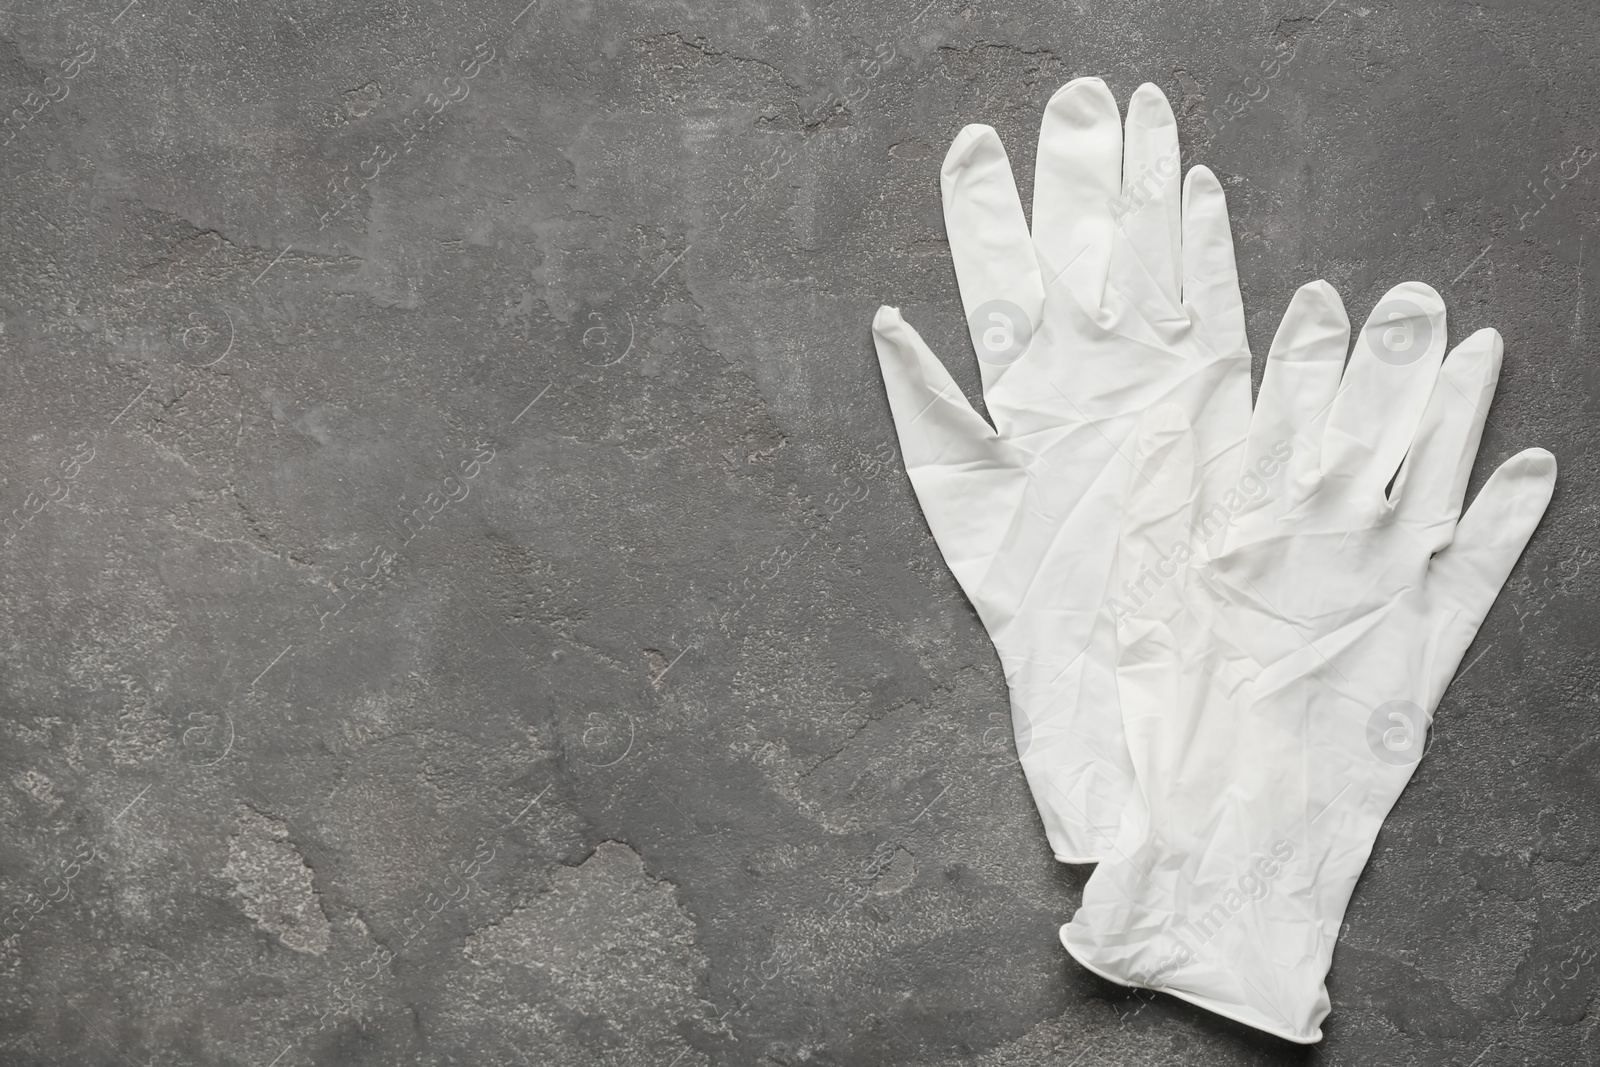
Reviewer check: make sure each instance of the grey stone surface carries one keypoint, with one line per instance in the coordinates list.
(357, 712)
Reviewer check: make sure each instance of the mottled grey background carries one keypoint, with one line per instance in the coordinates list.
(672, 742)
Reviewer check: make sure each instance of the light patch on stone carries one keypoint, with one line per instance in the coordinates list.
(359, 102)
(898, 875)
(275, 884)
(39, 788)
(601, 969)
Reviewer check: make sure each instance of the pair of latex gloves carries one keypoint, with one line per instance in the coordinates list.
(1225, 628)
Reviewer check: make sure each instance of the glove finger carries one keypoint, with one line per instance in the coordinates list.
(1297, 392)
(1465, 578)
(1210, 277)
(1212, 304)
(1077, 176)
(1433, 478)
(1147, 265)
(996, 268)
(965, 476)
(1385, 389)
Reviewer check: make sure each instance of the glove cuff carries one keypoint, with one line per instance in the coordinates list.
(1271, 1021)
(1236, 943)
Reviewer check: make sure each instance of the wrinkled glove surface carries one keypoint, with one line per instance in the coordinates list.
(1283, 650)
(1123, 296)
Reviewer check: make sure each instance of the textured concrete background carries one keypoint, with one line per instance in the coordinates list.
(357, 712)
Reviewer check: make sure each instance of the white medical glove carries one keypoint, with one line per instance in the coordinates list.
(1276, 691)
(1124, 295)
